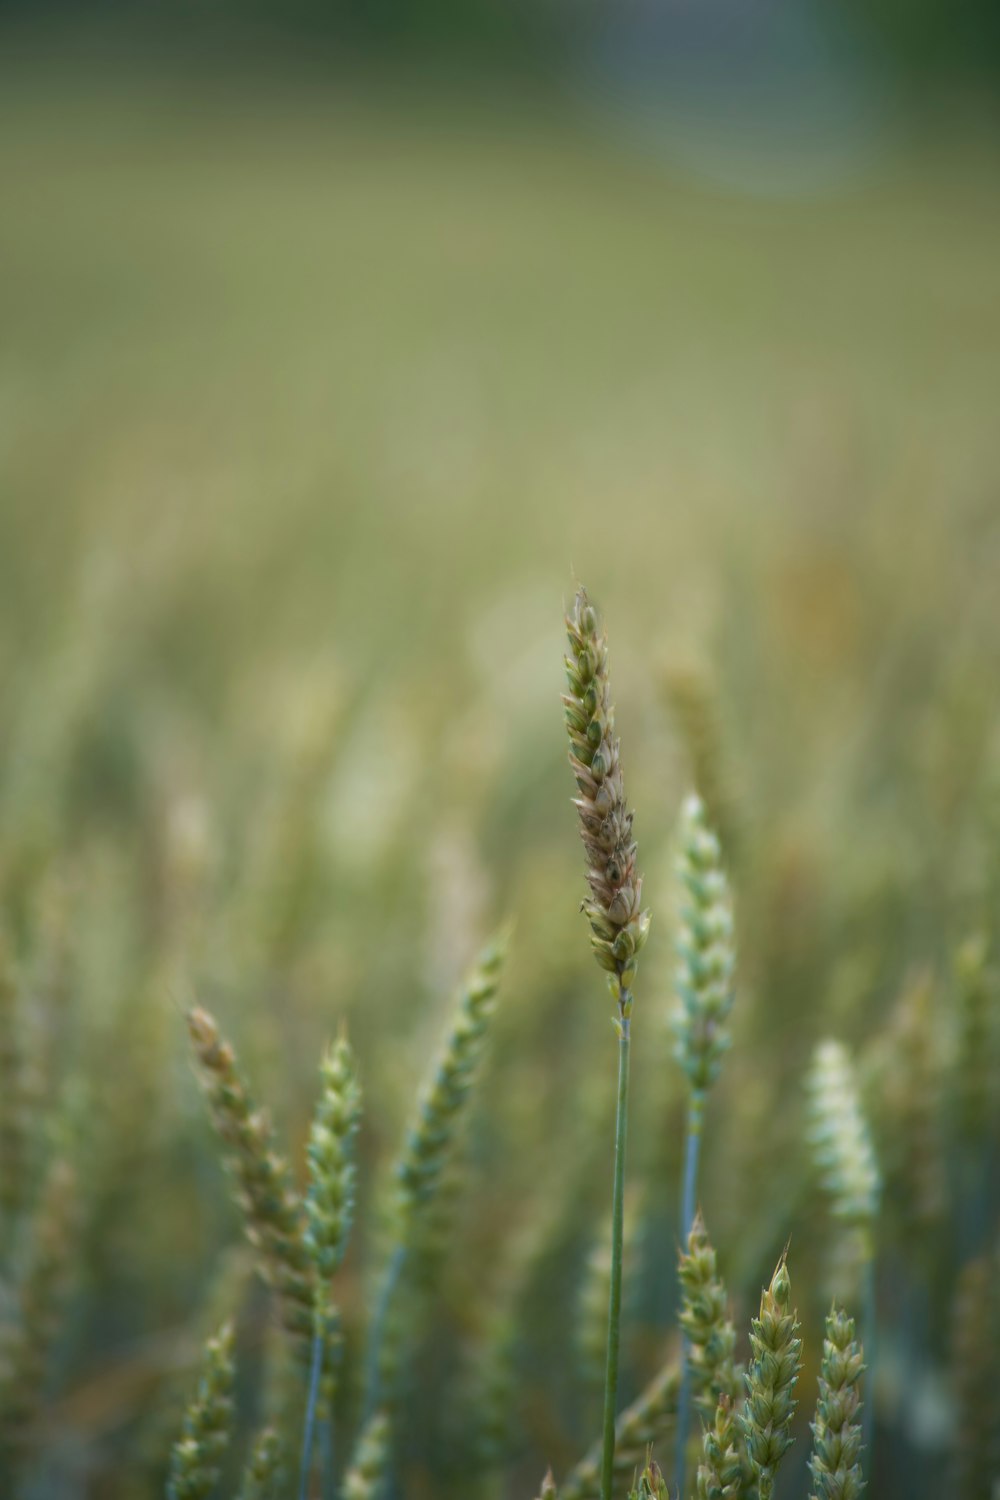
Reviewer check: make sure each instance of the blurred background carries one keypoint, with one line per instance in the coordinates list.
(336, 343)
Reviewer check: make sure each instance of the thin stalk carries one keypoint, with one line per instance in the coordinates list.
(309, 1432)
(326, 1449)
(869, 1323)
(689, 1190)
(617, 1237)
(387, 1292)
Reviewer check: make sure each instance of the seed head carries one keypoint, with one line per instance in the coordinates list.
(705, 950)
(264, 1477)
(363, 1479)
(651, 1484)
(273, 1214)
(433, 1133)
(330, 1200)
(840, 1138)
(705, 1319)
(834, 1464)
(197, 1458)
(720, 1473)
(618, 924)
(770, 1380)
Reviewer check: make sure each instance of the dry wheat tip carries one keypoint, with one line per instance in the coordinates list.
(835, 1466)
(548, 1490)
(720, 1473)
(840, 1137)
(705, 949)
(196, 1462)
(273, 1214)
(705, 1319)
(770, 1380)
(650, 1484)
(618, 924)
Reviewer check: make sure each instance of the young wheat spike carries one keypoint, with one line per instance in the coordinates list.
(264, 1475)
(705, 1320)
(694, 705)
(429, 1149)
(704, 983)
(846, 1158)
(720, 1473)
(705, 950)
(332, 1172)
(771, 1379)
(429, 1141)
(834, 1463)
(196, 1462)
(548, 1490)
(273, 1214)
(647, 1421)
(329, 1213)
(40, 1297)
(841, 1139)
(363, 1479)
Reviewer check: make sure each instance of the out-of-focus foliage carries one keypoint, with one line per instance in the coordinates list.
(312, 398)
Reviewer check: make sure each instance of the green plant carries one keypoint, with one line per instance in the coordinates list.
(618, 923)
(704, 984)
(835, 1462)
(196, 1461)
(771, 1380)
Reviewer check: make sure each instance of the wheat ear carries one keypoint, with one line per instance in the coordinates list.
(704, 985)
(771, 1380)
(196, 1461)
(835, 1466)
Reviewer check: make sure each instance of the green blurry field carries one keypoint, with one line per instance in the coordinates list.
(316, 397)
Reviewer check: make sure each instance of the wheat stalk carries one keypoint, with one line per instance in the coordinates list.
(618, 924)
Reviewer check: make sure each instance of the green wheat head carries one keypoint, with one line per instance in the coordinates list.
(771, 1380)
(196, 1461)
(835, 1466)
(705, 950)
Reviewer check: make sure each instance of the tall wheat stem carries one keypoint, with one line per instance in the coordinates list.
(309, 1431)
(617, 1239)
(689, 1190)
(380, 1322)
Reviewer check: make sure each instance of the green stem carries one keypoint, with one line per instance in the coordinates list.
(380, 1324)
(617, 1222)
(692, 1150)
(308, 1437)
(868, 1410)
